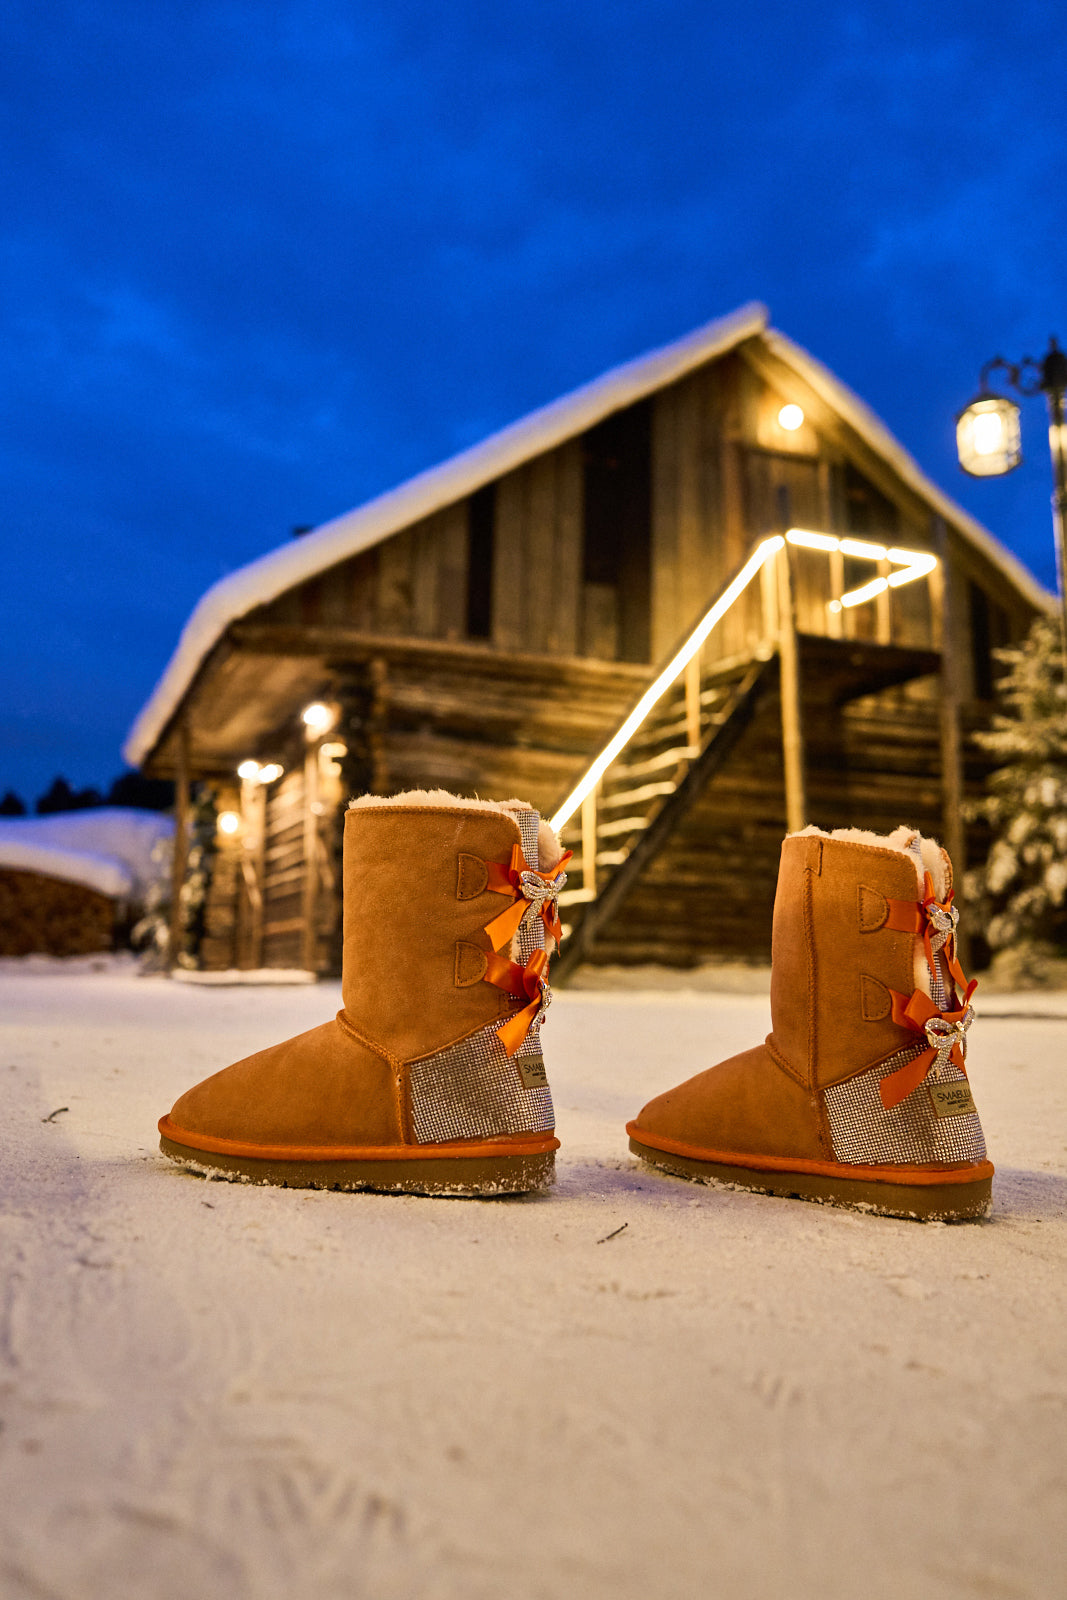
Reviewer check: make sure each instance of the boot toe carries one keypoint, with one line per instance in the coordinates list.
(323, 1088)
(747, 1105)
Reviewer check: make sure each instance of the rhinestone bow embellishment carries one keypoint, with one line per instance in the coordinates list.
(943, 1036)
(540, 893)
(546, 1001)
(943, 922)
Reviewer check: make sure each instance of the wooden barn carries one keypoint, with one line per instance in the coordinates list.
(703, 598)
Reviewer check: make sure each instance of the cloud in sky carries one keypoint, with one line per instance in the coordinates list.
(259, 262)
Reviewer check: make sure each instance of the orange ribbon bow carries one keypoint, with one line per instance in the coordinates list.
(531, 890)
(936, 920)
(528, 981)
(946, 1034)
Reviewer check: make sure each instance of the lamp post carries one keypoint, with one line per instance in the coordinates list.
(987, 437)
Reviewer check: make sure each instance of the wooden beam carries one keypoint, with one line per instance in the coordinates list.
(181, 842)
(954, 645)
(250, 900)
(589, 842)
(796, 803)
(339, 644)
(309, 899)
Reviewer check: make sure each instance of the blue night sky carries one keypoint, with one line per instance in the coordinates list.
(261, 261)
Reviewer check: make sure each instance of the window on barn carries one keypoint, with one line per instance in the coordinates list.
(990, 630)
(481, 519)
(617, 495)
(867, 510)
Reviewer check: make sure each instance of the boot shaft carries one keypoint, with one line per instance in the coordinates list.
(441, 948)
(869, 1007)
(412, 906)
(835, 960)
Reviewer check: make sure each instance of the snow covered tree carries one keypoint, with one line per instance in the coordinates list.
(1021, 891)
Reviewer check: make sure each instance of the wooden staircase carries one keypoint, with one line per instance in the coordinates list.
(626, 819)
(644, 796)
(649, 775)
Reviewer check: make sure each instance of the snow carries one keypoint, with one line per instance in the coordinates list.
(273, 574)
(221, 1390)
(106, 848)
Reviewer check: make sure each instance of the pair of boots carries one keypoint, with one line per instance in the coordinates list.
(430, 1080)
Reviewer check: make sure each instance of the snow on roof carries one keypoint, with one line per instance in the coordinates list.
(273, 574)
(106, 848)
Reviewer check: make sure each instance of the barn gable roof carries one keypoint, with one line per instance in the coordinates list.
(345, 536)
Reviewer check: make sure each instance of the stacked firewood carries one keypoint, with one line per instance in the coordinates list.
(47, 916)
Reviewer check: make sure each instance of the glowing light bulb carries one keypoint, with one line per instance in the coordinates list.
(249, 771)
(988, 433)
(229, 822)
(317, 717)
(790, 418)
(270, 773)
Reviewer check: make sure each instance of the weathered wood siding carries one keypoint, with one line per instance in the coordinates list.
(537, 561)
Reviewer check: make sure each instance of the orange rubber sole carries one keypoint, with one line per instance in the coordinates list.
(470, 1170)
(961, 1194)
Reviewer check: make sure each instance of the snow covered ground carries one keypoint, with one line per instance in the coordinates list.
(213, 1390)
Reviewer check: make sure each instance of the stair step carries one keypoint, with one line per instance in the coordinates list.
(608, 830)
(634, 797)
(682, 753)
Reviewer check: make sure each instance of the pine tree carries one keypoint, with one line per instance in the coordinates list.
(1021, 891)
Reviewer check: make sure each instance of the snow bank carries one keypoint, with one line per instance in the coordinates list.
(107, 848)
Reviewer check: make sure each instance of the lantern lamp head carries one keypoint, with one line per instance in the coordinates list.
(987, 436)
(791, 418)
(229, 822)
(249, 771)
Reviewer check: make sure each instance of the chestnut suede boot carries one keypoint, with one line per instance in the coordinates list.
(859, 1096)
(431, 1078)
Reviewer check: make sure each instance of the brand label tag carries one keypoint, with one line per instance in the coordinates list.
(532, 1072)
(952, 1099)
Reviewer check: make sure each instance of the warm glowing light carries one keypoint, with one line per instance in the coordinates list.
(655, 691)
(252, 772)
(910, 564)
(988, 433)
(229, 822)
(856, 597)
(987, 436)
(863, 550)
(790, 418)
(317, 717)
(812, 541)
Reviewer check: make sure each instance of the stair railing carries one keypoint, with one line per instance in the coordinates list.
(684, 664)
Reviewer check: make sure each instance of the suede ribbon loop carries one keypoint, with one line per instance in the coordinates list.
(946, 1036)
(937, 922)
(535, 894)
(529, 982)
